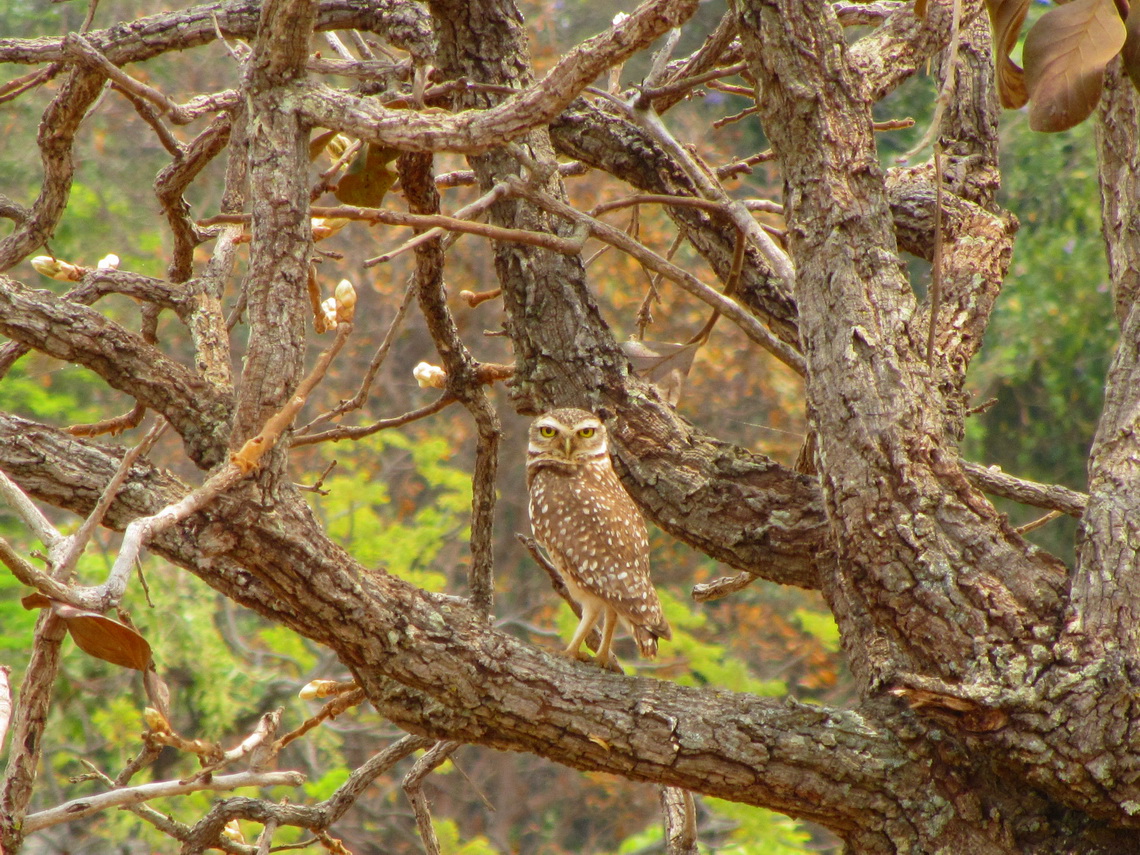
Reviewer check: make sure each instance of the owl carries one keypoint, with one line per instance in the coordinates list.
(595, 535)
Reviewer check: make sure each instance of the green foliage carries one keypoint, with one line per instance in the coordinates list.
(709, 663)
(326, 785)
(16, 622)
(404, 515)
(46, 390)
(451, 843)
(820, 625)
(758, 831)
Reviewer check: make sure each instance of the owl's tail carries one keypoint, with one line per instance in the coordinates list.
(646, 638)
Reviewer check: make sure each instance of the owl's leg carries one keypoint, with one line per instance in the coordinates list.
(591, 611)
(608, 626)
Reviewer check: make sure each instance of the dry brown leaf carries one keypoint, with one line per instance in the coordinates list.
(368, 178)
(319, 143)
(36, 601)
(105, 638)
(1065, 55)
(1130, 53)
(1006, 18)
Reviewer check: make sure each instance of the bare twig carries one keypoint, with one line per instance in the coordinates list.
(1049, 496)
(316, 486)
(113, 426)
(949, 84)
(463, 380)
(354, 786)
(357, 400)
(88, 805)
(30, 719)
(32, 517)
(259, 746)
(77, 46)
(413, 787)
(778, 259)
(686, 83)
(361, 431)
(1040, 521)
(30, 575)
(332, 709)
(78, 541)
(727, 306)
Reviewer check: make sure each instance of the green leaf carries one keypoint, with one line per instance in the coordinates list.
(1065, 56)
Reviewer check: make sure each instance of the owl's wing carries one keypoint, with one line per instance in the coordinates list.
(600, 540)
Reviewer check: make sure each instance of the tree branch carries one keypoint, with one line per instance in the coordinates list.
(78, 334)
(475, 131)
(79, 808)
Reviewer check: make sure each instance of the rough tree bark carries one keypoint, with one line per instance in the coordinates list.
(996, 710)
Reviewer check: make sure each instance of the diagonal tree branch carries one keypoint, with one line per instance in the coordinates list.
(75, 333)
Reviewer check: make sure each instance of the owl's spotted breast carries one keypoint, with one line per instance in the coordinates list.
(595, 535)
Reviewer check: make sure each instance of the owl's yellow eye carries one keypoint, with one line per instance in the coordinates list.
(547, 431)
(586, 433)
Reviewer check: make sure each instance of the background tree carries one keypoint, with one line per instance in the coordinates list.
(977, 659)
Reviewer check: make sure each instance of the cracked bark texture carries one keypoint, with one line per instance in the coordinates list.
(1021, 731)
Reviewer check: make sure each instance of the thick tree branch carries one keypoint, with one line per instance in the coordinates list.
(404, 24)
(56, 135)
(475, 131)
(854, 309)
(484, 686)
(77, 334)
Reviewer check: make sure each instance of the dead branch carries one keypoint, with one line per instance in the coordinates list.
(88, 805)
(727, 306)
(414, 789)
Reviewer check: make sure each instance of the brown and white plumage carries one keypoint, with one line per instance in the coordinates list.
(595, 535)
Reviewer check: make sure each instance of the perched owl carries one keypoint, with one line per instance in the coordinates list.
(595, 536)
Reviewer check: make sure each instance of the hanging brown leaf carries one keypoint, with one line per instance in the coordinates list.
(664, 364)
(105, 638)
(1065, 55)
(36, 601)
(1130, 53)
(368, 177)
(1006, 18)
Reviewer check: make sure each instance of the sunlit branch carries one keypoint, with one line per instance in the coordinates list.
(88, 805)
(649, 121)
(718, 588)
(78, 541)
(77, 46)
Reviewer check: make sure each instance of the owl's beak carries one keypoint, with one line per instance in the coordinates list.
(566, 443)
